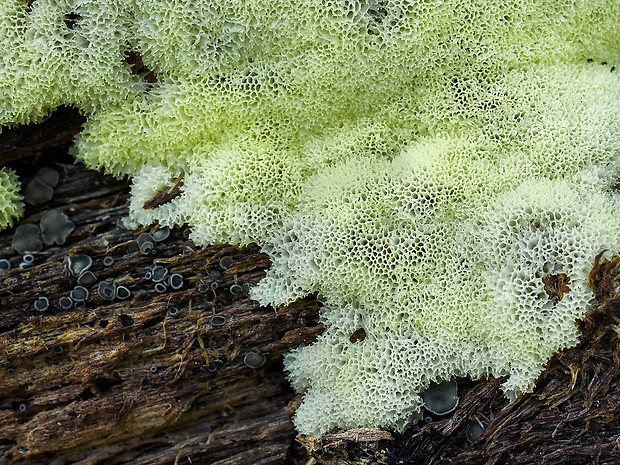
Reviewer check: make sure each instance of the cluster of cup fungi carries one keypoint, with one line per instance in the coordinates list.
(55, 228)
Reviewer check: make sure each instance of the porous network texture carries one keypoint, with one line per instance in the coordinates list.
(441, 173)
(11, 205)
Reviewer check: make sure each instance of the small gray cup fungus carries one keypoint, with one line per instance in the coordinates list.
(88, 278)
(41, 304)
(78, 264)
(27, 238)
(5, 265)
(254, 359)
(79, 294)
(441, 398)
(122, 293)
(56, 227)
(175, 281)
(218, 320)
(107, 289)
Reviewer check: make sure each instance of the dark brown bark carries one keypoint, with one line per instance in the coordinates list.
(127, 381)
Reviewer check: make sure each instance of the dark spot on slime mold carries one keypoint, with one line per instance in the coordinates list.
(358, 335)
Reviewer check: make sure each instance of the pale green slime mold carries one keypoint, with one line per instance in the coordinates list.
(426, 166)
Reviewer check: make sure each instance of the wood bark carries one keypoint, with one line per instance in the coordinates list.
(130, 381)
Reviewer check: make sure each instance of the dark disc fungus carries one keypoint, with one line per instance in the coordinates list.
(161, 234)
(474, 430)
(41, 304)
(218, 320)
(4, 264)
(37, 192)
(158, 274)
(78, 264)
(161, 288)
(441, 398)
(79, 294)
(107, 289)
(27, 238)
(226, 262)
(254, 359)
(88, 278)
(48, 176)
(146, 244)
(65, 303)
(56, 227)
(122, 293)
(175, 281)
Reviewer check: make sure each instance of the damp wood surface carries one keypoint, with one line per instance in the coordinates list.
(153, 379)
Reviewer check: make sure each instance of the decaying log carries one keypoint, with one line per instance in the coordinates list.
(150, 379)
(136, 381)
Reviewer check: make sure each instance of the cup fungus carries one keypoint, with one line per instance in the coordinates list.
(474, 430)
(122, 293)
(218, 320)
(226, 262)
(37, 192)
(108, 261)
(254, 359)
(56, 227)
(48, 176)
(146, 244)
(65, 303)
(441, 398)
(79, 294)
(41, 304)
(107, 289)
(161, 288)
(78, 264)
(158, 274)
(27, 238)
(161, 234)
(175, 281)
(4, 264)
(87, 278)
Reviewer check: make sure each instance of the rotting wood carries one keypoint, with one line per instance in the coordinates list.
(125, 381)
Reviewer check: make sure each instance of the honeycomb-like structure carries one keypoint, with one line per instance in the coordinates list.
(11, 205)
(440, 172)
